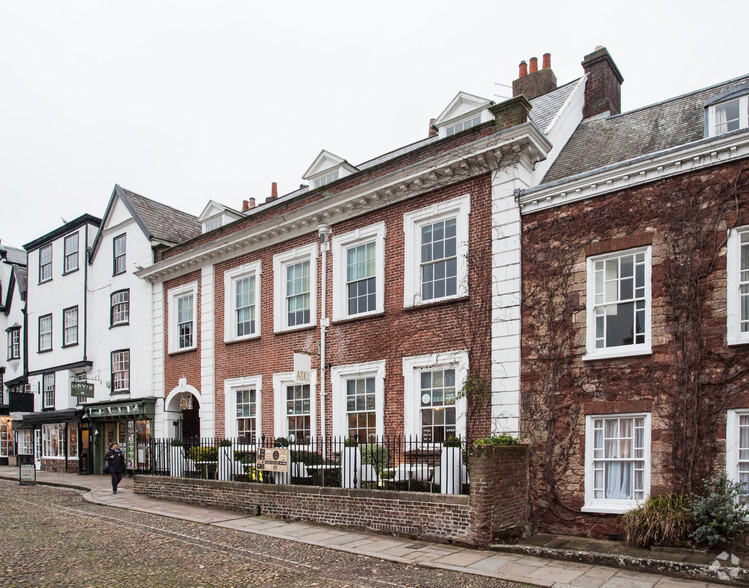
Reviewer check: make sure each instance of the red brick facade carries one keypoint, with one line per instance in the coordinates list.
(560, 387)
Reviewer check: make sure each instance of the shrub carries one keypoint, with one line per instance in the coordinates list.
(199, 453)
(224, 443)
(281, 442)
(451, 442)
(661, 520)
(502, 440)
(721, 515)
(351, 442)
(375, 455)
(177, 443)
(306, 457)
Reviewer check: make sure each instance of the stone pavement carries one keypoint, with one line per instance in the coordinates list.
(516, 567)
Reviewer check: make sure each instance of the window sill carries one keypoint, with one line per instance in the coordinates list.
(119, 325)
(66, 345)
(70, 271)
(185, 350)
(612, 508)
(119, 392)
(48, 408)
(252, 337)
(44, 282)
(44, 350)
(119, 273)
(14, 358)
(433, 303)
(358, 317)
(614, 354)
(740, 340)
(294, 329)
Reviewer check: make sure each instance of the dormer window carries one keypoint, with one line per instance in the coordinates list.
(217, 215)
(326, 179)
(727, 112)
(212, 224)
(463, 125)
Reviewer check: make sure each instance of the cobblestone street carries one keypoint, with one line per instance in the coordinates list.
(52, 537)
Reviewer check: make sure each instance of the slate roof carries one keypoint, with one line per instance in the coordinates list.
(605, 140)
(546, 106)
(160, 221)
(13, 255)
(21, 279)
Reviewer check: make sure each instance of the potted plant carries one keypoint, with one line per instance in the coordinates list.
(225, 459)
(176, 458)
(281, 477)
(351, 464)
(451, 465)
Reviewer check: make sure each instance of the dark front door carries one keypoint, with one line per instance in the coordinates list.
(191, 421)
(86, 456)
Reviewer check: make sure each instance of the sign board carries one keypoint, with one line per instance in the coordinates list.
(130, 451)
(302, 368)
(121, 409)
(27, 474)
(273, 460)
(82, 389)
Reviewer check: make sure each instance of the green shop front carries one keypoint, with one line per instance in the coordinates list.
(129, 423)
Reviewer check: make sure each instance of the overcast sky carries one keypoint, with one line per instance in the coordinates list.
(187, 101)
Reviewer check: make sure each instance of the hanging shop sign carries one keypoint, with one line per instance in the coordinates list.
(273, 460)
(82, 389)
(302, 368)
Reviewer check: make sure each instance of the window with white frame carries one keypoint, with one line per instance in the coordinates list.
(243, 397)
(617, 462)
(183, 318)
(436, 248)
(463, 125)
(119, 247)
(70, 246)
(295, 290)
(359, 272)
(120, 371)
(737, 446)
(45, 263)
(433, 409)
(326, 179)
(25, 442)
(14, 343)
(48, 390)
(358, 400)
(45, 332)
(53, 440)
(212, 224)
(728, 115)
(737, 282)
(7, 447)
(295, 408)
(242, 305)
(70, 326)
(618, 307)
(120, 308)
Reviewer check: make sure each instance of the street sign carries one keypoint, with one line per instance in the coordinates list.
(82, 389)
(26, 470)
(273, 460)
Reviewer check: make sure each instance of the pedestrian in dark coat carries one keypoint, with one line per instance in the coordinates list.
(116, 462)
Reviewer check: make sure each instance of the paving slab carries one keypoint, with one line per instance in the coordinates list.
(463, 558)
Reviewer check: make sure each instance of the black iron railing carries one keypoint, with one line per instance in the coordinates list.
(387, 463)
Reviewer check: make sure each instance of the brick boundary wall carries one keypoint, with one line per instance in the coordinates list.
(498, 501)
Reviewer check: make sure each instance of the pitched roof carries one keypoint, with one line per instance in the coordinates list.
(547, 106)
(21, 274)
(13, 255)
(160, 221)
(60, 231)
(605, 140)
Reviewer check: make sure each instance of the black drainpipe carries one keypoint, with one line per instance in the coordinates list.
(85, 294)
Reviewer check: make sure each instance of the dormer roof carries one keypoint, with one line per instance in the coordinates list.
(326, 162)
(463, 105)
(213, 208)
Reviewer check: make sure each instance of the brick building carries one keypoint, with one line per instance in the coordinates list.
(635, 316)
(398, 277)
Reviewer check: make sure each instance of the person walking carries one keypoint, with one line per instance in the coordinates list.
(116, 462)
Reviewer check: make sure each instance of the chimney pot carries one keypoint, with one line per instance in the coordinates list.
(245, 205)
(534, 65)
(274, 190)
(523, 69)
(547, 61)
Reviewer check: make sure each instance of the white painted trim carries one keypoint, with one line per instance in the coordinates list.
(590, 338)
(173, 294)
(280, 261)
(734, 335)
(614, 506)
(338, 377)
(412, 367)
(230, 404)
(341, 243)
(692, 157)
(460, 208)
(280, 424)
(230, 279)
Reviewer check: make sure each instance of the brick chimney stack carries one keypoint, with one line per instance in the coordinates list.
(248, 204)
(535, 82)
(273, 192)
(432, 131)
(603, 88)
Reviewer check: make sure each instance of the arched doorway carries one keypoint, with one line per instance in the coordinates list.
(182, 412)
(191, 421)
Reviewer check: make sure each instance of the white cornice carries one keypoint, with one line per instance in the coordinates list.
(688, 158)
(481, 156)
